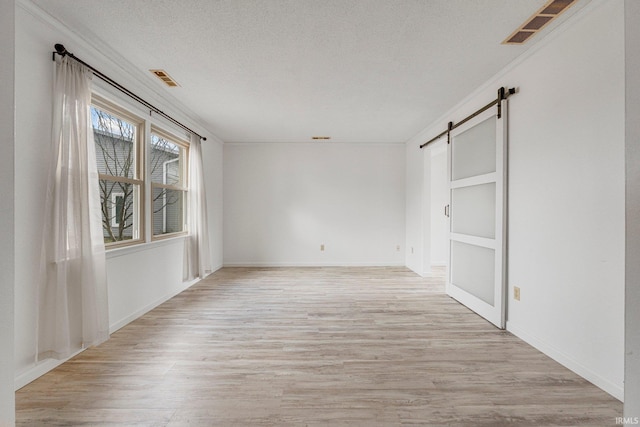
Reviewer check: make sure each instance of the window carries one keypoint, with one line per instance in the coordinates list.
(117, 136)
(168, 166)
(140, 199)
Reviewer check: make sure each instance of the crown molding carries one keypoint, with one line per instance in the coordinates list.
(106, 59)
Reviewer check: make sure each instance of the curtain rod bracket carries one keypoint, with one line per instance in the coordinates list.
(59, 50)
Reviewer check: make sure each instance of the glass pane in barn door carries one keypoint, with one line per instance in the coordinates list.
(477, 165)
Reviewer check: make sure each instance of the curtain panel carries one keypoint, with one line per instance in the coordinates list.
(197, 252)
(72, 295)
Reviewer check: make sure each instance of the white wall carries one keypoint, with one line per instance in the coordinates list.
(566, 193)
(33, 123)
(566, 196)
(7, 195)
(282, 201)
(139, 277)
(414, 209)
(212, 154)
(632, 147)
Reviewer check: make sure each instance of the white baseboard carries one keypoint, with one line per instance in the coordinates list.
(144, 310)
(313, 264)
(615, 390)
(41, 368)
(38, 370)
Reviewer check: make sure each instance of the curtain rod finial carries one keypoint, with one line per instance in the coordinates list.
(60, 49)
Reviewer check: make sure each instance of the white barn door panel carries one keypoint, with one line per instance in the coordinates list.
(477, 215)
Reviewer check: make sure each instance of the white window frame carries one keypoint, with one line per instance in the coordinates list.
(183, 186)
(138, 180)
(143, 211)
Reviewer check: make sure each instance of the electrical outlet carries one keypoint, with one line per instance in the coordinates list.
(516, 293)
(322, 248)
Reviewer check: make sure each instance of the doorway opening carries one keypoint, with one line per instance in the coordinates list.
(438, 205)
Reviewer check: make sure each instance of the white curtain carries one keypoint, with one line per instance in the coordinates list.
(72, 296)
(197, 253)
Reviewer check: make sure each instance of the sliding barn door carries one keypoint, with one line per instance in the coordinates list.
(477, 174)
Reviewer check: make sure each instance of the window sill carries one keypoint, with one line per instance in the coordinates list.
(126, 250)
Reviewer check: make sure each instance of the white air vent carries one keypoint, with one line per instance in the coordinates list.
(165, 77)
(536, 22)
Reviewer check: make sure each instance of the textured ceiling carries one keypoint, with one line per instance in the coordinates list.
(285, 70)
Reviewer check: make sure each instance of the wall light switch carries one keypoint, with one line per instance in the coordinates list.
(322, 248)
(398, 248)
(516, 293)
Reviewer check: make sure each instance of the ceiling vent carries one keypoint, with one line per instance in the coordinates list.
(551, 10)
(320, 138)
(166, 78)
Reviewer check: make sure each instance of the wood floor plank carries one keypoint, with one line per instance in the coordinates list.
(313, 347)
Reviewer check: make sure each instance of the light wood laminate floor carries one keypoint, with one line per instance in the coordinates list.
(313, 347)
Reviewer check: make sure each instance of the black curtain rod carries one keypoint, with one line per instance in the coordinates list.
(62, 51)
(502, 95)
